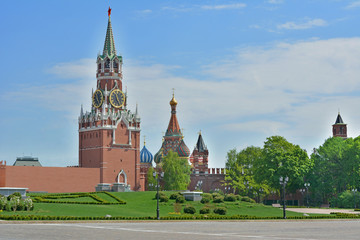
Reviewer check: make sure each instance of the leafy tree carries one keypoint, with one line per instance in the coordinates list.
(176, 172)
(240, 171)
(280, 159)
(151, 181)
(336, 168)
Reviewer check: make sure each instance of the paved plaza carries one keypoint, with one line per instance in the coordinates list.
(199, 230)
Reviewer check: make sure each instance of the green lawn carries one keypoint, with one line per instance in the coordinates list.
(142, 204)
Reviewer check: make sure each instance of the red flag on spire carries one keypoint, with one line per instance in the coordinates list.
(109, 11)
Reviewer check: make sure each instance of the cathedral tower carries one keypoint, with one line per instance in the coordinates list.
(339, 128)
(109, 135)
(174, 138)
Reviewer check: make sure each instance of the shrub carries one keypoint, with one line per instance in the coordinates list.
(160, 194)
(15, 194)
(180, 199)
(218, 199)
(247, 199)
(163, 198)
(189, 209)
(3, 202)
(177, 207)
(175, 195)
(205, 210)
(205, 200)
(220, 210)
(215, 194)
(230, 198)
(207, 195)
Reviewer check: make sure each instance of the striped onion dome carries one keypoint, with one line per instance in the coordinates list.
(183, 150)
(158, 156)
(145, 156)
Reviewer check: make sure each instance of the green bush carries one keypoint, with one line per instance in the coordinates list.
(160, 194)
(189, 209)
(220, 210)
(180, 199)
(207, 195)
(205, 200)
(205, 210)
(215, 194)
(175, 195)
(15, 194)
(163, 198)
(218, 199)
(247, 199)
(230, 198)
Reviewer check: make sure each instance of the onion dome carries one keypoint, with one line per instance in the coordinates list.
(145, 156)
(173, 101)
(159, 156)
(183, 150)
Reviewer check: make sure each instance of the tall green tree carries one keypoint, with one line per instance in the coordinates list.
(176, 172)
(282, 159)
(240, 171)
(336, 168)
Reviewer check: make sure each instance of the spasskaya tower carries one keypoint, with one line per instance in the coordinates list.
(109, 134)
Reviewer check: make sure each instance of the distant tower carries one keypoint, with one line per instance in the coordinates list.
(146, 159)
(339, 128)
(199, 157)
(174, 138)
(109, 134)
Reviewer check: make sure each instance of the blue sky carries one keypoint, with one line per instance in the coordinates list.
(242, 70)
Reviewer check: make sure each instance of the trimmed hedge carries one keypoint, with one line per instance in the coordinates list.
(218, 199)
(184, 217)
(98, 200)
(205, 210)
(220, 210)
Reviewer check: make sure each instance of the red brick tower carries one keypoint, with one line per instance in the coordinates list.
(173, 139)
(109, 135)
(339, 128)
(200, 157)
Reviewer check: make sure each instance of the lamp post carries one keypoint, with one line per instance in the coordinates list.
(302, 194)
(354, 190)
(283, 182)
(307, 185)
(157, 193)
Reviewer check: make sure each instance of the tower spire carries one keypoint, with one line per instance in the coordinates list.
(109, 45)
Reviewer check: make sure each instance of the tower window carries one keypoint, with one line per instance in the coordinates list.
(115, 65)
(107, 63)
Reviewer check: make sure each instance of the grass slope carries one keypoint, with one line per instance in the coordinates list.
(139, 204)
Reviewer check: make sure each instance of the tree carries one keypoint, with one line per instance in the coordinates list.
(281, 159)
(176, 172)
(336, 168)
(151, 181)
(240, 171)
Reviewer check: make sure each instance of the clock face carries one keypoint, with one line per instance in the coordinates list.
(117, 98)
(98, 98)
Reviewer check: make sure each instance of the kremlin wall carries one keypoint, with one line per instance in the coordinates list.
(109, 144)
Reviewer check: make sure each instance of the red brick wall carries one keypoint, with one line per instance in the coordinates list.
(53, 179)
(2, 174)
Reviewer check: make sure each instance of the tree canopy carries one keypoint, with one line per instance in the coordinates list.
(176, 172)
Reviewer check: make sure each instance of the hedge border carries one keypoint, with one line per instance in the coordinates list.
(98, 200)
(185, 217)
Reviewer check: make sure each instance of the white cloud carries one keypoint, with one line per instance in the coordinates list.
(288, 89)
(83, 68)
(224, 6)
(355, 4)
(310, 23)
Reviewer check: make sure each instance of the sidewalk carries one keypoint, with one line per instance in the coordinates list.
(322, 210)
